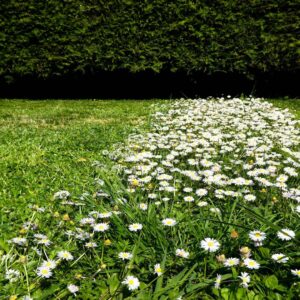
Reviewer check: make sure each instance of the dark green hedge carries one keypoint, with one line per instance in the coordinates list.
(54, 37)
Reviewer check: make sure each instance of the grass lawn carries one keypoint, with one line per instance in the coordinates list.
(49, 146)
(46, 146)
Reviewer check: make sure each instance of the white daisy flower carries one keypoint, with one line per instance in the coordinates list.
(65, 255)
(280, 258)
(73, 288)
(44, 272)
(51, 264)
(296, 272)
(251, 263)
(286, 234)
(100, 227)
(132, 282)
(169, 222)
(12, 275)
(257, 236)
(157, 270)
(218, 281)
(189, 199)
(135, 227)
(125, 255)
(143, 206)
(245, 279)
(210, 245)
(231, 262)
(182, 253)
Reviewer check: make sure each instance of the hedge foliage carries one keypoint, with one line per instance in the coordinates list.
(55, 37)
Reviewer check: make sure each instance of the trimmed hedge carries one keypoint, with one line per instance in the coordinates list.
(57, 37)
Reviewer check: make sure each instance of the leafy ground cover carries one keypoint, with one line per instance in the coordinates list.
(199, 205)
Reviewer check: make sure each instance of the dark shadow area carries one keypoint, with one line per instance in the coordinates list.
(146, 85)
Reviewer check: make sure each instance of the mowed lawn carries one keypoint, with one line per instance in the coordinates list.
(50, 145)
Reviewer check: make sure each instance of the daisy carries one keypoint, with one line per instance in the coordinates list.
(73, 288)
(125, 255)
(12, 275)
(157, 270)
(45, 242)
(286, 234)
(232, 261)
(66, 255)
(101, 227)
(257, 236)
(135, 227)
(91, 245)
(131, 282)
(251, 264)
(19, 241)
(169, 222)
(182, 253)
(280, 258)
(218, 281)
(296, 272)
(245, 279)
(51, 264)
(189, 199)
(210, 245)
(143, 206)
(201, 192)
(250, 198)
(44, 272)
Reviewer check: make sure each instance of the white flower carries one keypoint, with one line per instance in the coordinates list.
(189, 199)
(44, 272)
(66, 255)
(232, 261)
(101, 227)
(143, 206)
(245, 279)
(125, 255)
(296, 272)
(280, 258)
(135, 227)
(73, 288)
(210, 245)
(218, 281)
(51, 264)
(62, 195)
(201, 192)
(182, 253)
(250, 198)
(12, 275)
(44, 241)
(251, 263)
(169, 222)
(157, 270)
(286, 234)
(19, 241)
(215, 210)
(257, 236)
(131, 282)
(91, 245)
(202, 203)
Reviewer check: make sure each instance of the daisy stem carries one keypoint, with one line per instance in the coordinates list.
(205, 266)
(27, 280)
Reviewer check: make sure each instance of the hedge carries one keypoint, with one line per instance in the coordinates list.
(46, 38)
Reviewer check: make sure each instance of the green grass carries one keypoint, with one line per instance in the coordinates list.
(46, 146)
(292, 104)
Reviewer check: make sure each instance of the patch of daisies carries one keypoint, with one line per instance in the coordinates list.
(214, 184)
